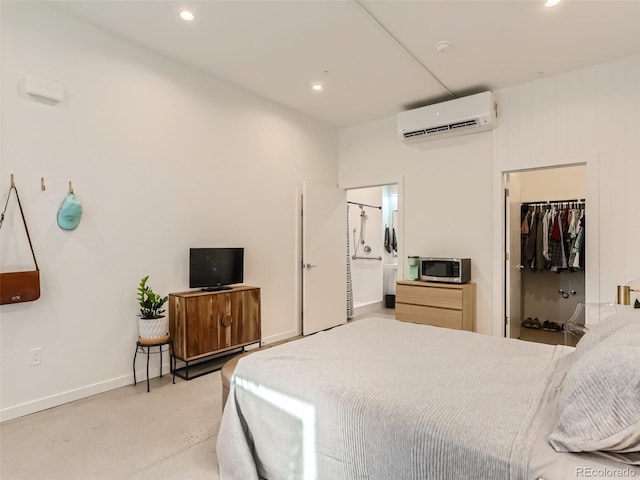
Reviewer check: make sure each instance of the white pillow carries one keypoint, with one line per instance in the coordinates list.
(599, 402)
(604, 330)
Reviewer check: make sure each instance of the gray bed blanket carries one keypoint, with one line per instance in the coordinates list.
(383, 399)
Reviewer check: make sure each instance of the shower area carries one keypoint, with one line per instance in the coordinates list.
(372, 235)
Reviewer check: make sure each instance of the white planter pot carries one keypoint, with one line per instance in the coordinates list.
(150, 328)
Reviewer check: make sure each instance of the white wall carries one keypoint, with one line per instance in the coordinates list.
(548, 184)
(445, 200)
(452, 188)
(162, 158)
(586, 116)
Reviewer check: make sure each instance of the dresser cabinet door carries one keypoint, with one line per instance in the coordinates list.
(239, 318)
(202, 319)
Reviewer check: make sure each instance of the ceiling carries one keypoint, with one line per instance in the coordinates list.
(375, 58)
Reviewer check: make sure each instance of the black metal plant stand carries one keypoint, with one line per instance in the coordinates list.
(143, 344)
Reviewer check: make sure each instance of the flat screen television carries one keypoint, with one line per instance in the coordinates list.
(214, 269)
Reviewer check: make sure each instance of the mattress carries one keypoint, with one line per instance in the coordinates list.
(382, 399)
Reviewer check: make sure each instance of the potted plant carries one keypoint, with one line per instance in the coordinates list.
(152, 323)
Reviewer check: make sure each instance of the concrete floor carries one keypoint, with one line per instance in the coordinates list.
(542, 336)
(384, 313)
(127, 433)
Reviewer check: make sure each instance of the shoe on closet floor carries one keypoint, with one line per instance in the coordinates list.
(554, 327)
(536, 323)
(546, 326)
(527, 323)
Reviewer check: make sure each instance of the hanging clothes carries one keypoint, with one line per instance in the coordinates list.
(539, 259)
(546, 231)
(556, 245)
(552, 238)
(524, 236)
(577, 248)
(531, 244)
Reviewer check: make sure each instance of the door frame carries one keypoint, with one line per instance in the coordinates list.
(592, 238)
(511, 186)
(378, 182)
(381, 182)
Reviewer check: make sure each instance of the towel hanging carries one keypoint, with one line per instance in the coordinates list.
(387, 241)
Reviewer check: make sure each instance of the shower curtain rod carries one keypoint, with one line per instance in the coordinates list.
(364, 205)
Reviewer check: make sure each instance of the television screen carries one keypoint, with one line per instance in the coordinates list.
(215, 268)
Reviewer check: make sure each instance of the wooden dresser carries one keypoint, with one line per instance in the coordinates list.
(438, 304)
(204, 324)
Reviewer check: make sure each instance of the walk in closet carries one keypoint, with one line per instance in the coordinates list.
(552, 232)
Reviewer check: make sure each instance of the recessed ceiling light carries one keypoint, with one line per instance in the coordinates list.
(551, 3)
(187, 15)
(317, 87)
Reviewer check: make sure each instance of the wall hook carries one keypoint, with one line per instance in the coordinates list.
(70, 187)
(13, 184)
(42, 185)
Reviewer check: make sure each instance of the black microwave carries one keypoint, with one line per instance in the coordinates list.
(448, 270)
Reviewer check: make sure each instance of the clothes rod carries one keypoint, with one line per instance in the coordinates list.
(366, 258)
(544, 202)
(364, 205)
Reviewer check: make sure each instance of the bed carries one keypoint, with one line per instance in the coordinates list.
(383, 399)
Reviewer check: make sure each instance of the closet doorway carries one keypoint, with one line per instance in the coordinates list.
(373, 242)
(545, 268)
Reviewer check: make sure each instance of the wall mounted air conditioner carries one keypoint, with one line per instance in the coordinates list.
(475, 113)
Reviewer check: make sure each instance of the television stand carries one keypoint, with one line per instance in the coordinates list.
(204, 325)
(216, 289)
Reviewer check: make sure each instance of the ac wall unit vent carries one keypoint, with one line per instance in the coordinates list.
(475, 113)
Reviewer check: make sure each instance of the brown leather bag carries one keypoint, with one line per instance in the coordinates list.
(17, 287)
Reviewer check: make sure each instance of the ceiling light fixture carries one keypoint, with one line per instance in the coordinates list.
(317, 87)
(186, 15)
(551, 3)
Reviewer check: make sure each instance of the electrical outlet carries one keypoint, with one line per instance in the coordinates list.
(36, 355)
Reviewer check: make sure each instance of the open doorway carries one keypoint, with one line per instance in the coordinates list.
(545, 268)
(373, 242)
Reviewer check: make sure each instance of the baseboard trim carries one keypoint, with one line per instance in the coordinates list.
(281, 336)
(367, 308)
(58, 399)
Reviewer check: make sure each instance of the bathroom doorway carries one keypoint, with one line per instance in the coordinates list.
(373, 242)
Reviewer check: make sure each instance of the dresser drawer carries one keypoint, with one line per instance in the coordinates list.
(438, 317)
(429, 296)
(439, 304)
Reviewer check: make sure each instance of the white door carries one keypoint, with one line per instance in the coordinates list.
(324, 264)
(513, 267)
